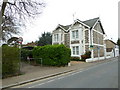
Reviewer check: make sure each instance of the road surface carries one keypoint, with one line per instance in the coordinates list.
(104, 75)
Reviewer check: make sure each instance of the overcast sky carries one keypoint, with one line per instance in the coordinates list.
(61, 12)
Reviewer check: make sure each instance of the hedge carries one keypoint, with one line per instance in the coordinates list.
(53, 55)
(10, 61)
(26, 53)
(75, 58)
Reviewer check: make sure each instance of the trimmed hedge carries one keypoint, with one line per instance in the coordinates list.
(53, 55)
(26, 53)
(75, 58)
(10, 61)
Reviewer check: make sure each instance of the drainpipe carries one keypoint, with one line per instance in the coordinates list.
(91, 42)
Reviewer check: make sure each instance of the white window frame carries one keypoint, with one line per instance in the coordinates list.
(56, 37)
(75, 50)
(75, 34)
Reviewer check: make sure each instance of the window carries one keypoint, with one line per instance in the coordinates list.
(56, 37)
(75, 34)
(75, 50)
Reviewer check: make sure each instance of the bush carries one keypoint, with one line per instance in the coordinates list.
(86, 55)
(53, 55)
(26, 53)
(10, 61)
(75, 59)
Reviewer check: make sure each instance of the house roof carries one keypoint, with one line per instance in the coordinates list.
(111, 41)
(65, 27)
(91, 22)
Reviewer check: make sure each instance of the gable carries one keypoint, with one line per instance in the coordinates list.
(58, 30)
(99, 27)
(76, 25)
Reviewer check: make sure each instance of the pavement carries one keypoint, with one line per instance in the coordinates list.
(34, 73)
(104, 75)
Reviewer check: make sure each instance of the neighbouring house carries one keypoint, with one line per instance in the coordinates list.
(29, 46)
(81, 36)
(112, 49)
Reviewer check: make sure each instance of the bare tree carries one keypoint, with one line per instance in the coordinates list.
(14, 13)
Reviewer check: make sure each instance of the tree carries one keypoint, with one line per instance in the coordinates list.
(14, 13)
(13, 41)
(45, 39)
(118, 43)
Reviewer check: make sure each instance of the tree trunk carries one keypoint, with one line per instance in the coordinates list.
(3, 7)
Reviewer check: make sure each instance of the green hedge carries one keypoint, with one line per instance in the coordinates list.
(75, 58)
(26, 53)
(10, 61)
(53, 55)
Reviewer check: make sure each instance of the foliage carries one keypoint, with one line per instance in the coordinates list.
(45, 39)
(86, 55)
(75, 59)
(26, 53)
(14, 14)
(10, 61)
(13, 41)
(53, 55)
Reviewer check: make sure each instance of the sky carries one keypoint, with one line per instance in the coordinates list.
(62, 11)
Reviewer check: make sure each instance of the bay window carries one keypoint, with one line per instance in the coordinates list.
(56, 37)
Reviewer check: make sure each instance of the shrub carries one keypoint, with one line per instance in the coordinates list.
(26, 53)
(10, 61)
(53, 55)
(86, 55)
(75, 59)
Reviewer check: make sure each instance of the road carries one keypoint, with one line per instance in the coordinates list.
(103, 75)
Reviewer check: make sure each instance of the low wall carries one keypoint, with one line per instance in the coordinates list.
(94, 59)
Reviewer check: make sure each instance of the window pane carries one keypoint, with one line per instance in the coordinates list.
(57, 37)
(54, 37)
(73, 50)
(77, 50)
(76, 33)
(73, 34)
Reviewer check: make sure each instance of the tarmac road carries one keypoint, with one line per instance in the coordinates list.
(103, 75)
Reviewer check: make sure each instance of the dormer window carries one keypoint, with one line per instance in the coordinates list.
(75, 34)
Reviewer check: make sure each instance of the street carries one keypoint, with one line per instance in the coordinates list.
(104, 75)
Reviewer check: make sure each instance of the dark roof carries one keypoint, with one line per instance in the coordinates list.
(65, 27)
(28, 47)
(91, 22)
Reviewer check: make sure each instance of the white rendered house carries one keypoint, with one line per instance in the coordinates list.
(81, 36)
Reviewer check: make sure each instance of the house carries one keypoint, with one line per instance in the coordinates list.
(112, 49)
(81, 36)
(29, 46)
